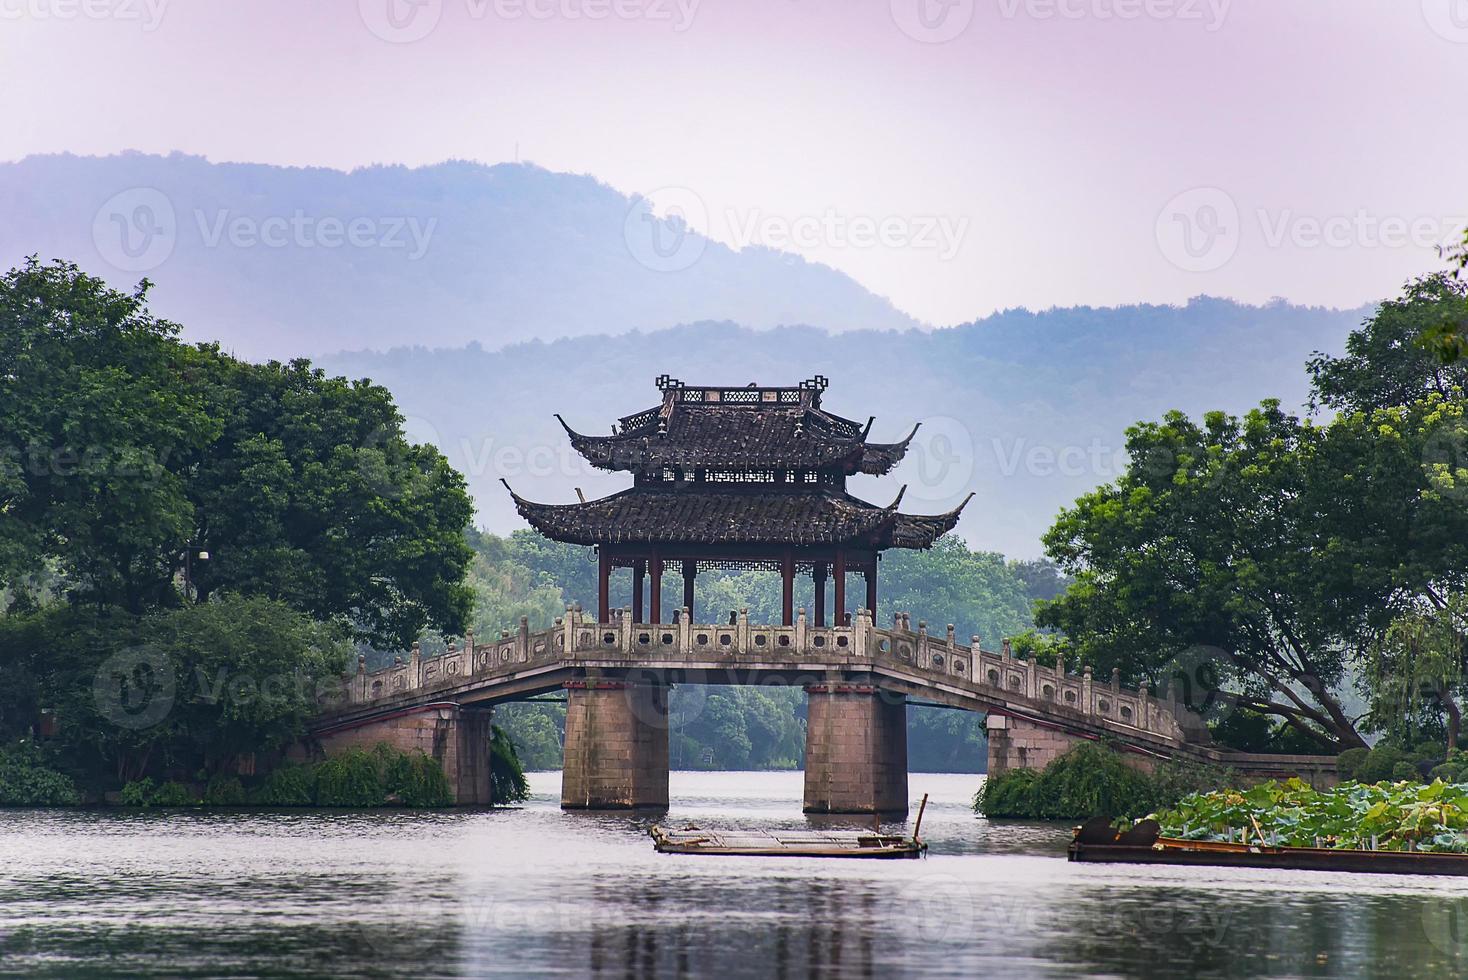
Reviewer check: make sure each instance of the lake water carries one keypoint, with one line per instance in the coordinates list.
(538, 892)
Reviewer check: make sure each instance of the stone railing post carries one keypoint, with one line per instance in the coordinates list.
(360, 682)
(1116, 680)
(415, 668)
(522, 640)
(567, 639)
(1004, 649)
(951, 645)
(624, 619)
(861, 633)
(685, 630)
(1059, 666)
(800, 631)
(469, 646)
(1144, 707)
(1086, 690)
(920, 650)
(975, 650)
(741, 636)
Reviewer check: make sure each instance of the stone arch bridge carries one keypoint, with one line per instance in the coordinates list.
(858, 679)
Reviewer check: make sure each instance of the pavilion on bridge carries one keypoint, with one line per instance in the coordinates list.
(750, 477)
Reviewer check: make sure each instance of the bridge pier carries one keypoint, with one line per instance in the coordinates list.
(1015, 743)
(855, 750)
(616, 750)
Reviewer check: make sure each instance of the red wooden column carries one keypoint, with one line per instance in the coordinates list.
(639, 569)
(872, 590)
(839, 572)
(818, 575)
(656, 572)
(603, 586)
(690, 569)
(787, 581)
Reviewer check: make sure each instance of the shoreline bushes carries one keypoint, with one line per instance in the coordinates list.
(1089, 780)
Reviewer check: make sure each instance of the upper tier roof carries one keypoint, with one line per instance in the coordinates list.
(739, 428)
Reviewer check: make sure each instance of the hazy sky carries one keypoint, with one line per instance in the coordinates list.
(957, 156)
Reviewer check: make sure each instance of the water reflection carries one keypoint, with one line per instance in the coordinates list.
(539, 892)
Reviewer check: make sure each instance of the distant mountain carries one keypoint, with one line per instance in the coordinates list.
(281, 261)
(1027, 409)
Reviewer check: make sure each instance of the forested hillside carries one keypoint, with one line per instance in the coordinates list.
(282, 262)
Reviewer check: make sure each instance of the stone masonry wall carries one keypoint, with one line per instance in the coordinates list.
(855, 750)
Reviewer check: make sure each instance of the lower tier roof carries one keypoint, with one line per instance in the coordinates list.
(655, 515)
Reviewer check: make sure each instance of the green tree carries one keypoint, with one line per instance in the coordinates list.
(1416, 668)
(1385, 364)
(312, 495)
(96, 410)
(950, 583)
(183, 690)
(1199, 545)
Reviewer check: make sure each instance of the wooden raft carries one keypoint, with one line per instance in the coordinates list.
(785, 843)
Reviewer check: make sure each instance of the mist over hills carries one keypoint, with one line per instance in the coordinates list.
(1027, 409)
(488, 298)
(277, 262)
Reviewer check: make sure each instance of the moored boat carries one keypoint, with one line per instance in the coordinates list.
(1097, 841)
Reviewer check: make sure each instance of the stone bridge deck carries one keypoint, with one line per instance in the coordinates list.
(857, 677)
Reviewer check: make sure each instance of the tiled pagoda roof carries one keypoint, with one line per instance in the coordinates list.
(730, 515)
(739, 428)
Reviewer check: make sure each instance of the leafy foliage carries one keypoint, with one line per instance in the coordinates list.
(287, 785)
(125, 455)
(350, 779)
(1387, 816)
(507, 782)
(188, 689)
(1089, 780)
(26, 780)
